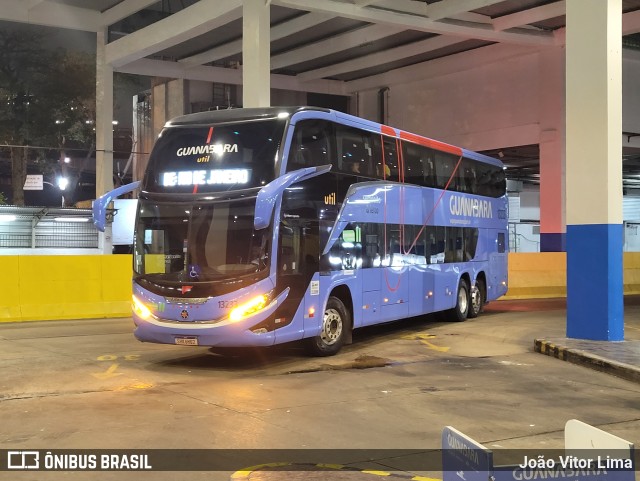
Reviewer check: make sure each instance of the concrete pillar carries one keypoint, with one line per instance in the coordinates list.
(552, 151)
(159, 108)
(104, 119)
(594, 170)
(256, 54)
(176, 98)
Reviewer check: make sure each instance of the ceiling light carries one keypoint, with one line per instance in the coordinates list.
(71, 219)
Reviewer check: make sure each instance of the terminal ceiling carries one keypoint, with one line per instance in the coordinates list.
(324, 46)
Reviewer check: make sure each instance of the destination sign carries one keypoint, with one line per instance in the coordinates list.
(205, 177)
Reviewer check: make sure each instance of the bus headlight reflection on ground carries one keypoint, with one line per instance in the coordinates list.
(139, 308)
(251, 307)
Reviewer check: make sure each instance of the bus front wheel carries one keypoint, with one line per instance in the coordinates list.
(461, 311)
(335, 321)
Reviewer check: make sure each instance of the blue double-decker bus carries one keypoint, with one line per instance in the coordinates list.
(257, 227)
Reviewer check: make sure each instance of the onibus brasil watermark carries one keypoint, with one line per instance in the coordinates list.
(33, 460)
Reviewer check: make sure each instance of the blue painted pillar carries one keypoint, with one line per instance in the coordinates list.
(594, 169)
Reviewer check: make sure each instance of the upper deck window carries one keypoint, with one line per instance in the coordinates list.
(214, 158)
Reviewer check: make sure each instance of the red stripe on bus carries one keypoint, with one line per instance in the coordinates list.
(387, 130)
(434, 144)
(210, 133)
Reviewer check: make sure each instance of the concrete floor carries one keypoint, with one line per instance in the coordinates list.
(90, 385)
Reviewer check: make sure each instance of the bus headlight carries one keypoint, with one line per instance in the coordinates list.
(139, 308)
(248, 308)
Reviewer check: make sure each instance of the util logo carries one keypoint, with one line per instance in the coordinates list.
(330, 199)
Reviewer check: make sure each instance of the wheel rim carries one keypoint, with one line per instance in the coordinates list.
(463, 301)
(476, 299)
(331, 327)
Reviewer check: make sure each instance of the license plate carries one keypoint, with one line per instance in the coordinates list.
(187, 341)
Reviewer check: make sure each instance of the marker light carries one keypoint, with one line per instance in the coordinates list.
(139, 308)
(248, 308)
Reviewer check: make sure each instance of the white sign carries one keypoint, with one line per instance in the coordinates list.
(33, 182)
(579, 435)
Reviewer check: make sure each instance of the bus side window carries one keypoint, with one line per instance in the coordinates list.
(467, 176)
(390, 159)
(354, 151)
(501, 243)
(310, 145)
(418, 164)
(376, 155)
(470, 243)
(445, 163)
(413, 164)
(437, 237)
(491, 180)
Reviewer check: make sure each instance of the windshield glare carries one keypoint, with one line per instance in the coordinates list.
(192, 243)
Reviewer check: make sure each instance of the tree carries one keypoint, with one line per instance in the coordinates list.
(47, 99)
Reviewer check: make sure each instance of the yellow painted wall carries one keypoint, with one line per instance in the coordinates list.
(537, 275)
(35, 288)
(544, 274)
(38, 288)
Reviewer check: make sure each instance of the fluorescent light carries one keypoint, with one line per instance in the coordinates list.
(7, 217)
(71, 219)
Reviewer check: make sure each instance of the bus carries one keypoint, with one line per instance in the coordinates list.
(263, 226)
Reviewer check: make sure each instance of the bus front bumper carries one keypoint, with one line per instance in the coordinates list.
(245, 331)
(181, 333)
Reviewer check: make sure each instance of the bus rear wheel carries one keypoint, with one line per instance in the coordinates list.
(461, 311)
(477, 299)
(335, 321)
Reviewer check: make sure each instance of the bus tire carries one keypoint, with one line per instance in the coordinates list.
(335, 321)
(476, 299)
(461, 311)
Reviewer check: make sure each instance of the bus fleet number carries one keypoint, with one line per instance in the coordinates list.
(227, 304)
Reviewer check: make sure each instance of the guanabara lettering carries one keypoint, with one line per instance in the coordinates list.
(469, 207)
(207, 149)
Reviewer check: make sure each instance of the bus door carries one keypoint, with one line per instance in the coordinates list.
(371, 273)
(298, 261)
(497, 263)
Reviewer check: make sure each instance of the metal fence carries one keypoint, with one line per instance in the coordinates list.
(38, 227)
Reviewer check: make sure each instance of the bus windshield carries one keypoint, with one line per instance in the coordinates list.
(187, 242)
(214, 158)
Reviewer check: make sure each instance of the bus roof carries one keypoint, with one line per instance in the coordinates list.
(237, 115)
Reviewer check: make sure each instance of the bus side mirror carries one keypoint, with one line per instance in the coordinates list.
(101, 204)
(269, 194)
